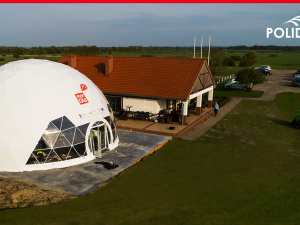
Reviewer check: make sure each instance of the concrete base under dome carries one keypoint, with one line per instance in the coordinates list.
(81, 179)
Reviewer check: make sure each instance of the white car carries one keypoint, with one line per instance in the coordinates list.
(234, 84)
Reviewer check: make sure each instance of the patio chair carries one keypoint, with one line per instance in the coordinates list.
(123, 115)
(137, 115)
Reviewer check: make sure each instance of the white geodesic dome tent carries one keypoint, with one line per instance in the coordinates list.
(52, 116)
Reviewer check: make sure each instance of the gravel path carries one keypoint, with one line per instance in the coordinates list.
(279, 82)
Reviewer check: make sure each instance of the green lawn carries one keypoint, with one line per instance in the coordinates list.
(284, 60)
(245, 170)
(230, 71)
(237, 93)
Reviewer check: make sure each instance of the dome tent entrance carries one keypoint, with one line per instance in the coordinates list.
(48, 113)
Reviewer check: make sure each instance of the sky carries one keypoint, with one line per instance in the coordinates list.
(106, 25)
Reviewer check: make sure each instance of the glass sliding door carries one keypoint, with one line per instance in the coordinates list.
(98, 140)
(115, 103)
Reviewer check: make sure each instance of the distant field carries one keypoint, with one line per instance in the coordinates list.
(279, 60)
(10, 58)
(282, 60)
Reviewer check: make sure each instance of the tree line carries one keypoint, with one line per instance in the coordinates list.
(95, 50)
(78, 50)
(263, 47)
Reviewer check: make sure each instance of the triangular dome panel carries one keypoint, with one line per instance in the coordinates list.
(61, 141)
(78, 138)
(66, 123)
(57, 122)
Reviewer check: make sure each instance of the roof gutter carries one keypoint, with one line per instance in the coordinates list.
(141, 96)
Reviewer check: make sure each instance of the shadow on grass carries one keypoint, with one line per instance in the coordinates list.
(283, 123)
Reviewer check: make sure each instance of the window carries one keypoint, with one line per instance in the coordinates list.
(62, 140)
(115, 103)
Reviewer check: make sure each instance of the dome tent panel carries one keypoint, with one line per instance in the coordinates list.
(37, 92)
(83, 128)
(69, 134)
(78, 137)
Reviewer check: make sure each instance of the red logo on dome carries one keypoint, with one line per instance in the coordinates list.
(83, 87)
(81, 98)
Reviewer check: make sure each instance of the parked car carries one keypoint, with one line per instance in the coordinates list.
(264, 67)
(265, 71)
(296, 81)
(296, 73)
(234, 84)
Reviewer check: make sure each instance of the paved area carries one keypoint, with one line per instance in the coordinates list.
(279, 82)
(81, 179)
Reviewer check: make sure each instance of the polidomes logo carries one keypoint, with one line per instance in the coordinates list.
(293, 21)
(280, 32)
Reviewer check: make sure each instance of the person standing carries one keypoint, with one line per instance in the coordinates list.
(216, 108)
(95, 137)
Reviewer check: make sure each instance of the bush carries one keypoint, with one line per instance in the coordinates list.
(147, 55)
(228, 62)
(249, 59)
(15, 55)
(222, 100)
(242, 64)
(236, 57)
(2, 59)
(3, 54)
(274, 55)
(250, 75)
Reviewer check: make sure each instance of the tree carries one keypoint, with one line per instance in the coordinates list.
(228, 62)
(20, 51)
(249, 59)
(39, 51)
(236, 57)
(16, 55)
(250, 75)
(216, 61)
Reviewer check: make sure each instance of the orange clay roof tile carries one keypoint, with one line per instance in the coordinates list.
(142, 76)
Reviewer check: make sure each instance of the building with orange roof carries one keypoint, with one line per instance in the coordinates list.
(148, 84)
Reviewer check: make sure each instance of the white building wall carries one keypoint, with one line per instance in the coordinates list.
(146, 105)
(162, 104)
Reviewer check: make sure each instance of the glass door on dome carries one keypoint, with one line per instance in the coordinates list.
(98, 142)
